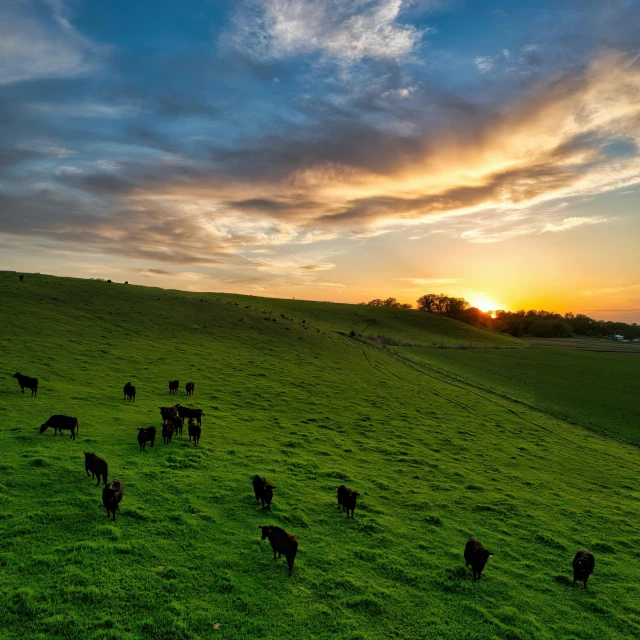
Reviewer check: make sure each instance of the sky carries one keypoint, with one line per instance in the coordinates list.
(328, 149)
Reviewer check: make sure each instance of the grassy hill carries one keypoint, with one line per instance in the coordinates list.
(594, 389)
(434, 459)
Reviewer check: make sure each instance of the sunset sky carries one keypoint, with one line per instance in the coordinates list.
(328, 149)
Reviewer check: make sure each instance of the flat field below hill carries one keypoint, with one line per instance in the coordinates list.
(435, 460)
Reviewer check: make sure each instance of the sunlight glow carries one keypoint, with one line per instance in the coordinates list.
(484, 303)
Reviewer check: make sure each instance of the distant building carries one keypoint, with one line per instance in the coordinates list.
(636, 340)
(616, 336)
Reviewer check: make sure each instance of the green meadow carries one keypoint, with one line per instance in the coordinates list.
(593, 389)
(441, 446)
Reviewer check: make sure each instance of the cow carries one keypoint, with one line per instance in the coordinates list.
(177, 423)
(129, 392)
(347, 499)
(281, 543)
(195, 431)
(167, 413)
(191, 387)
(173, 386)
(111, 497)
(263, 491)
(167, 433)
(476, 556)
(185, 412)
(97, 466)
(29, 383)
(583, 564)
(146, 435)
(59, 422)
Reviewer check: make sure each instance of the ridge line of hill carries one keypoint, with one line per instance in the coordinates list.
(447, 378)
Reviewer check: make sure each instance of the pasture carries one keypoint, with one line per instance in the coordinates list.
(591, 388)
(288, 395)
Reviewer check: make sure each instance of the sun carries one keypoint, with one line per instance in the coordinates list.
(484, 302)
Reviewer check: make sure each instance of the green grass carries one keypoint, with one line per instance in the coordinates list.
(592, 389)
(434, 459)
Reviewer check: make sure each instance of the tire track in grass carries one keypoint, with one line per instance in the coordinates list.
(445, 378)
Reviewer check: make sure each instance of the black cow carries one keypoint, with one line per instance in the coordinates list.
(281, 543)
(263, 491)
(195, 431)
(167, 433)
(173, 386)
(191, 387)
(146, 435)
(29, 383)
(185, 412)
(583, 564)
(129, 392)
(111, 497)
(97, 465)
(476, 556)
(60, 422)
(347, 499)
(167, 413)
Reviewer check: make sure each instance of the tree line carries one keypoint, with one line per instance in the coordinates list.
(543, 324)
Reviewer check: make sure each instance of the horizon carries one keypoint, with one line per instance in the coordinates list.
(414, 306)
(330, 151)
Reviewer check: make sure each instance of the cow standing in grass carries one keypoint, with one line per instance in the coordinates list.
(167, 413)
(195, 431)
(29, 383)
(177, 423)
(111, 497)
(282, 543)
(59, 422)
(583, 564)
(191, 387)
(263, 491)
(167, 433)
(185, 412)
(146, 435)
(173, 386)
(129, 392)
(347, 499)
(97, 466)
(476, 556)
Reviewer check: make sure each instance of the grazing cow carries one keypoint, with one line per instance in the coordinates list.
(185, 412)
(583, 564)
(347, 499)
(111, 497)
(167, 433)
(281, 543)
(173, 386)
(476, 556)
(195, 431)
(146, 435)
(177, 423)
(60, 422)
(129, 392)
(191, 387)
(263, 491)
(29, 383)
(167, 413)
(97, 466)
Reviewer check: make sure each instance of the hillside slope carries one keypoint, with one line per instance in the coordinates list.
(435, 461)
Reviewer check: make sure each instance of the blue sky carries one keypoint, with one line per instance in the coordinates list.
(330, 150)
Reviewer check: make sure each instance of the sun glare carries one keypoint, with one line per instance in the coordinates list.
(484, 303)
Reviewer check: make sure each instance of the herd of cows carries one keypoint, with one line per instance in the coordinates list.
(282, 542)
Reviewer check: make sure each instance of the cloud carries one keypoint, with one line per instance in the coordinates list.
(345, 31)
(87, 109)
(430, 282)
(599, 292)
(323, 266)
(571, 223)
(38, 41)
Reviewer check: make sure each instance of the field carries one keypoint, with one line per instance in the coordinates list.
(588, 344)
(288, 395)
(589, 388)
